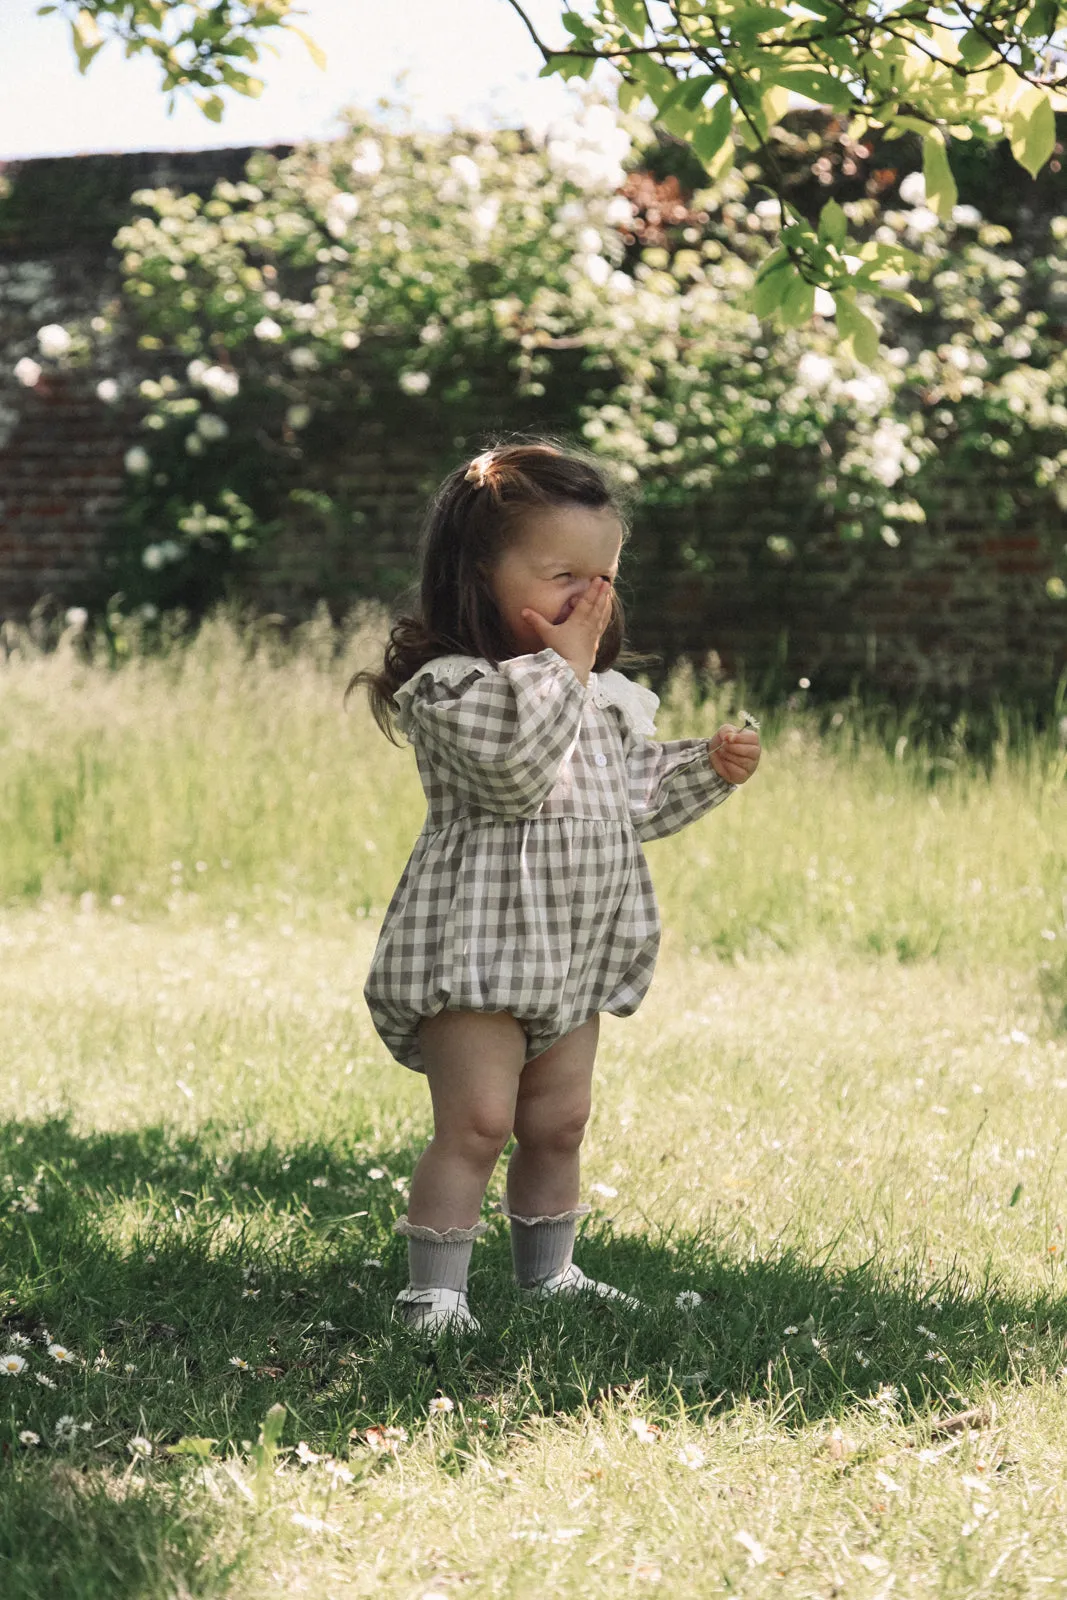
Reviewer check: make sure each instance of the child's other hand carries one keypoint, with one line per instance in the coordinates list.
(734, 753)
(577, 639)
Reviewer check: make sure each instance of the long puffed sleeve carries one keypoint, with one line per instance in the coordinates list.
(497, 737)
(671, 783)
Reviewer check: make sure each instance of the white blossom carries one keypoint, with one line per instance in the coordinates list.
(825, 304)
(211, 427)
(107, 390)
(368, 160)
(485, 217)
(414, 382)
(222, 382)
(467, 171)
(913, 189)
(137, 460)
(340, 211)
(922, 220)
(53, 340)
(267, 328)
(814, 371)
(297, 417)
(28, 372)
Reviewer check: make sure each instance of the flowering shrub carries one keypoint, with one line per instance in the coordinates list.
(376, 275)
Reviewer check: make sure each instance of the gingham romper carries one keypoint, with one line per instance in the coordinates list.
(527, 890)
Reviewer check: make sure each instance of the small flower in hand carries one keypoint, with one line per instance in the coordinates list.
(734, 752)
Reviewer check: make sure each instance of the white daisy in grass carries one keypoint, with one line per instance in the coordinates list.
(66, 1429)
(306, 1455)
(339, 1473)
(300, 1519)
(691, 1455)
(371, 1261)
(647, 1432)
(12, 1366)
(250, 1294)
(688, 1300)
(604, 1190)
(239, 1362)
(27, 1436)
(60, 1353)
(440, 1405)
(139, 1446)
(18, 1341)
(45, 1381)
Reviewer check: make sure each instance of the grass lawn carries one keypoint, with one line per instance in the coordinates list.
(835, 1129)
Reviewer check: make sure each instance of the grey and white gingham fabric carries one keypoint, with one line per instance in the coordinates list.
(527, 890)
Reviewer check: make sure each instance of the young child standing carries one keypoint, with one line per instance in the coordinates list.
(526, 908)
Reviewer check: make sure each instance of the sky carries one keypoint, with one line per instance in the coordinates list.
(468, 60)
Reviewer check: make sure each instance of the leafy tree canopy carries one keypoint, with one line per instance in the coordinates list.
(948, 71)
(202, 50)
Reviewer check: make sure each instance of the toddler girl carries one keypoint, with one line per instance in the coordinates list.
(526, 908)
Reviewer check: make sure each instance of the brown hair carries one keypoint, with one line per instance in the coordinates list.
(470, 520)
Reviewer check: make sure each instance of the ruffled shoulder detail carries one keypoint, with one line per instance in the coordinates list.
(450, 670)
(637, 704)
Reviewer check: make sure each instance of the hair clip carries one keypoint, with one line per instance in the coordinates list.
(478, 470)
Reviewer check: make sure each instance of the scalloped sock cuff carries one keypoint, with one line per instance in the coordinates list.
(542, 1246)
(438, 1260)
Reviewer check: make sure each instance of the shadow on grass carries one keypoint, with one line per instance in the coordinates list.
(198, 1287)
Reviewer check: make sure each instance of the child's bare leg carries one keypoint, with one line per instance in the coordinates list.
(473, 1063)
(550, 1117)
(551, 1111)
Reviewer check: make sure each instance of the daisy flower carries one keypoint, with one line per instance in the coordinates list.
(239, 1362)
(60, 1353)
(27, 1436)
(139, 1445)
(12, 1365)
(440, 1404)
(45, 1381)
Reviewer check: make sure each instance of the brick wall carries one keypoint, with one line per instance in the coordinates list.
(959, 610)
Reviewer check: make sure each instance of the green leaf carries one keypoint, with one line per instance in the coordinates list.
(747, 25)
(798, 302)
(46, 11)
(1016, 1195)
(772, 284)
(568, 67)
(974, 49)
(856, 328)
(817, 86)
(833, 224)
(774, 104)
(679, 110)
(86, 38)
(1033, 131)
(212, 105)
(709, 136)
(316, 52)
(941, 191)
(631, 13)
